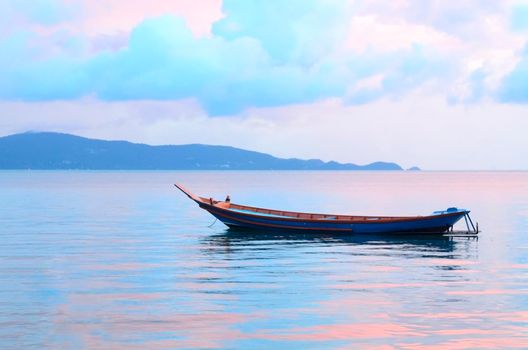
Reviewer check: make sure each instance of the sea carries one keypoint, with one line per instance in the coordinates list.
(123, 260)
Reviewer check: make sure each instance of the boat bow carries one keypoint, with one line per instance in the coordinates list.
(188, 193)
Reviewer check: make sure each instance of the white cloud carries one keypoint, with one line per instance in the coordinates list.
(371, 32)
(418, 130)
(475, 35)
(400, 59)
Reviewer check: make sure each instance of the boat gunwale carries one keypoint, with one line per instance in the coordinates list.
(208, 203)
(340, 229)
(352, 219)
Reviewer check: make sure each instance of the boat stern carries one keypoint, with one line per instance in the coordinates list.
(451, 210)
(456, 214)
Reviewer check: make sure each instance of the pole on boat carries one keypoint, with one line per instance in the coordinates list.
(467, 224)
(469, 217)
(469, 230)
(472, 231)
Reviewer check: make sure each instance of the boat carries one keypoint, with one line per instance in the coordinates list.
(248, 217)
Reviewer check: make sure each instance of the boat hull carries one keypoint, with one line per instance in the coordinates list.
(242, 216)
(425, 224)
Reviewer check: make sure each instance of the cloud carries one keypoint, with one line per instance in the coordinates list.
(515, 85)
(417, 129)
(240, 66)
(20, 13)
(46, 12)
(519, 17)
(294, 31)
(464, 19)
(261, 53)
(111, 17)
(27, 73)
(394, 34)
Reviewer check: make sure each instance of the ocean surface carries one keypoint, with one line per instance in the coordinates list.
(122, 260)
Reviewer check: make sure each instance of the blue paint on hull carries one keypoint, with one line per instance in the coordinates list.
(434, 223)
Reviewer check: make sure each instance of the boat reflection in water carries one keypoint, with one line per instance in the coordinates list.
(427, 245)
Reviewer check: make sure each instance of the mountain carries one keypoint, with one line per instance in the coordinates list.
(48, 150)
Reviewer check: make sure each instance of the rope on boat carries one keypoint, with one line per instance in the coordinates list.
(214, 222)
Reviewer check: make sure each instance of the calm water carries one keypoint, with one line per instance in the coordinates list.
(121, 260)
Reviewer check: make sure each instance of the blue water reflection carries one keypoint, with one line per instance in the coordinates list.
(119, 260)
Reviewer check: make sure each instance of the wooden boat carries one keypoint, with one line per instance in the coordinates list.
(243, 216)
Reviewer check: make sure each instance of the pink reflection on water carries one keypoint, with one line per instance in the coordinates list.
(188, 331)
(376, 285)
(340, 332)
(518, 316)
(390, 285)
(97, 321)
(469, 343)
(515, 266)
(488, 292)
(472, 331)
(449, 262)
(384, 268)
(130, 266)
(366, 346)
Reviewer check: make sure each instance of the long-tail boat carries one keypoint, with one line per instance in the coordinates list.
(243, 216)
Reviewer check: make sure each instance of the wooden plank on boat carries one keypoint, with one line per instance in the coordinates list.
(460, 234)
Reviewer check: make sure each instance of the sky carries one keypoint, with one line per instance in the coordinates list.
(442, 85)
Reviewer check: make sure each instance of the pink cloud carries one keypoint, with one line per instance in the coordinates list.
(108, 23)
(114, 16)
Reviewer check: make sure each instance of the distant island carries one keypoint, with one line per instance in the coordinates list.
(50, 150)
